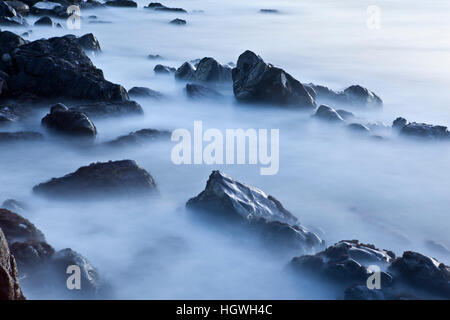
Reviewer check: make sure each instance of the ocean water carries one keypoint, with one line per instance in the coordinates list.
(392, 193)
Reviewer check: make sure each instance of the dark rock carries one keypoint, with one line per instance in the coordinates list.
(7, 10)
(199, 91)
(178, 22)
(18, 229)
(48, 8)
(44, 21)
(58, 68)
(140, 137)
(399, 123)
(346, 115)
(154, 57)
(256, 81)
(9, 137)
(361, 292)
(121, 3)
(144, 93)
(269, 11)
(10, 41)
(9, 16)
(420, 130)
(20, 7)
(230, 201)
(109, 109)
(185, 72)
(104, 179)
(360, 96)
(14, 206)
(9, 278)
(89, 42)
(209, 70)
(159, 68)
(31, 256)
(156, 6)
(358, 127)
(328, 114)
(422, 272)
(7, 116)
(70, 122)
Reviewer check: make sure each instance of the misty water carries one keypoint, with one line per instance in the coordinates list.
(391, 193)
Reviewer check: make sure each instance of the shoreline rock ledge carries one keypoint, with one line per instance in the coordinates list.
(227, 200)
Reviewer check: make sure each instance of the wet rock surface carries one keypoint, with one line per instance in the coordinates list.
(227, 200)
(101, 179)
(256, 81)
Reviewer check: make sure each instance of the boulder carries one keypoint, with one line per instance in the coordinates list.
(44, 21)
(70, 122)
(209, 70)
(89, 42)
(154, 57)
(256, 81)
(121, 3)
(358, 128)
(20, 7)
(9, 278)
(156, 6)
(144, 92)
(20, 136)
(8, 42)
(346, 115)
(14, 206)
(48, 8)
(362, 97)
(328, 114)
(185, 71)
(101, 179)
(199, 91)
(420, 130)
(9, 16)
(140, 137)
(18, 229)
(399, 123)
(159, 68)
(178, 22)
(269, 11)
(227, 200)
(57, 68)
(109, 109)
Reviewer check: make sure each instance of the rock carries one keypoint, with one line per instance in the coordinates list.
(144, 92)
(18, 229)
(14, 206)
(44, 21)
(346, 115)
(256, 81)
(154, 57)
(227, 200)
(6, 10)
(358, 128)
(58, 68)
(361, 292)
(89, 42)
(156, 6)
(178, 22)
(345, 263)
(48, 8)
(159, 68)
(328, 114)
(101, 179)
(422, 272)
(140, 137)
(420, 130)
(121, 3)
(20, 7)
(269, 11)
(9, 278)
(69, 122)
(209, 70)
(8, 42)
(20, 136)
(9, 16)
(199, 91)
(7, 116)
(109, 109)
(185, 72)
(32, 257)
(362, 97)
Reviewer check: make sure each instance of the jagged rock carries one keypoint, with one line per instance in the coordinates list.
(20, 7)
(31, 256)
(178, 22)
(9, 278)
(144, 93)
(121, 3)
(109, 109)
(48, 8)
(420, 130)
(88, 42)
(25, 136)
(18, 229)
(159, 68)
(422, 272)
(209, 70)
(57, 68)
(199, 91)
(101, 179)
(360, 96)
(256, 81)
(228, 200)
(44, 21)
(185, 72)
(9, 16)
(69, 122)
(140, 137)
(328, 114)
(156, 6)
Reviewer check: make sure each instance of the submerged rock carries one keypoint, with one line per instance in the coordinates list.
(44, 21)
(178, 22)
(269, 11)
(140, 137)
(159, 68)
(14, 205)
(9, 278)
(209, 70)
(185, 72)
(156, 6)
(225, 199)
(144, 92)
(256, 81)
(420, 130)
(103, 179)
(121, 3)
(328, 114)
(71, 122)
(199, 91)
(23, 136)
(109, 109)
